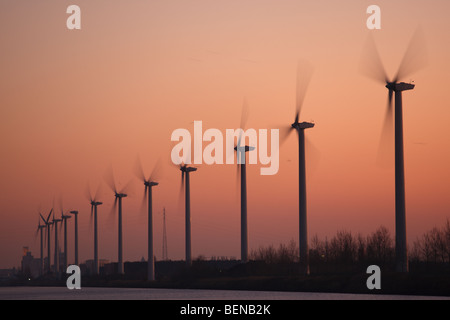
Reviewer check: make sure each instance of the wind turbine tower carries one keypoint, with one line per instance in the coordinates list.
(55, 222)
(94, 205)
(304, 74)
(412, 61)
(48, 223)
(64, 218)
(149, 184)
(39, 229)
(75, 214)
(241, 151)
(118, 196)
(185, 171)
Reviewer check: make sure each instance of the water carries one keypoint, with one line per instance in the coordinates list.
(62, 293)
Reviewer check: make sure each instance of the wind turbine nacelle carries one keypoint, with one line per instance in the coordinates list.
(151, 183)
(247, 148)
(303, 125)
(74, 212)
(398, 87)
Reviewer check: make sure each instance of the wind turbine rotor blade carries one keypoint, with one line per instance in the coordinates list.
(144, 200)
(304, 75)
(188, 158)
(238, 173)
(182, 182)
(386, 144)
(91, 218)
(238, 144)
(48, 218)
(285, 132)
(112, 213)
(88, 192)
(390, 99)
(156, 172)
(181, 192)
(97, 192)
(109, 179)
(138, 170)
(127, 188)
(182, 178)
(371, 65)
(238, 180)
(244, 114)
(415, 56)
(60, 203)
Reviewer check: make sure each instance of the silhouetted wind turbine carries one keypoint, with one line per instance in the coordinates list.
(48, 223)
(75, 214)
(185, 183)
(304, 73)
(412, 61)
(64, 218)
(94, 205)
(118, 196)
(55, 225)
(241, 151)
(39, 229)
(149, 184)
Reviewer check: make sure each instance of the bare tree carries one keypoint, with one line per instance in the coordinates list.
(380, 246)
(343, 247)
(447, 239)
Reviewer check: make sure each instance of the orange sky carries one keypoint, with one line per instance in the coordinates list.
(74, 102)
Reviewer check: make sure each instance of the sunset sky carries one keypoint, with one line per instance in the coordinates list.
(75, 102)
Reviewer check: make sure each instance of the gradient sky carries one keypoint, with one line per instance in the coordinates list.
(75, 102)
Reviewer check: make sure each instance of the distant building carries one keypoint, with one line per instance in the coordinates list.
(30, 266)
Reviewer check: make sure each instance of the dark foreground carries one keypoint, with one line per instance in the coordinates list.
(255, 276)
(391, 284)
(90, 293)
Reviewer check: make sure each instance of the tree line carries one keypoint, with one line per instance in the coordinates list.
(346, 251)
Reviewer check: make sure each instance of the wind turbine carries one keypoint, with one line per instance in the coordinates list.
(94, 204)
(75, 214)
(118, 196)
(48, 223)
(39, 229)
(304, 73)
(149, 184)
(185, 183)
(241, 151)
(55, 222)
(412, 61)
(64, 219)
